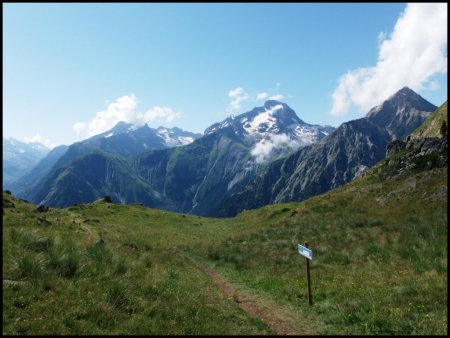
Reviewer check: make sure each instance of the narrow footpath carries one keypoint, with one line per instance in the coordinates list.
(281, 320)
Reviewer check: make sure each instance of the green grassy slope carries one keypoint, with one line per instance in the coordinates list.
(432, 126)
(380, 254)
(56, 280)
(380, 263)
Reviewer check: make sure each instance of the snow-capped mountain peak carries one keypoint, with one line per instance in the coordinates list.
(273, 118)
(272, 129)
(130, 139)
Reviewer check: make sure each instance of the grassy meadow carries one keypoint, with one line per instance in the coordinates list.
(379, 255)
(379, 264)
(57, 280)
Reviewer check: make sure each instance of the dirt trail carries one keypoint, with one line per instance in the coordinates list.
(91, 237)
(282, 321)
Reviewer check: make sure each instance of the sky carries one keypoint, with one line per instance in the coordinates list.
(73, 70)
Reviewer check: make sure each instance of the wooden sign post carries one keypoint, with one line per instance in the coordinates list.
(303, 250)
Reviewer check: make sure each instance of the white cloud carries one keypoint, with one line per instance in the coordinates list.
(237, 95)
(123, 109)
(235, 92)
(264, 150)
(39, 139)
(161, 113)
(276, 97)
(262, 96)
(414, 52)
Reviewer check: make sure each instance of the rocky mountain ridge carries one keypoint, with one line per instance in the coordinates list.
(219, 174)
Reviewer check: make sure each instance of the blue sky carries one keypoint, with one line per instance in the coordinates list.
(71, 70)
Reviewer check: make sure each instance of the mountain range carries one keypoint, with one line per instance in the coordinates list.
(267, 155)
(19, 158)
(343, 155)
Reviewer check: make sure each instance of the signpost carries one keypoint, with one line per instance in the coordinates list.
(304, 251)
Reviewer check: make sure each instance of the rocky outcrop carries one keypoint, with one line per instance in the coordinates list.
(422, 153)
(41, 208)
(107, 199)
(418, 146)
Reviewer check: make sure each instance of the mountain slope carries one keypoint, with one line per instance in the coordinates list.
(123, 140)
(93, 176)
(27, 181)
(194, 178)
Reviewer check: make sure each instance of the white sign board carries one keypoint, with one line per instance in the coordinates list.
(305, 251)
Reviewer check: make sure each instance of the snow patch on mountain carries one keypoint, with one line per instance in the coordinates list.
(263, 121)
(175, 137)
(273, 129)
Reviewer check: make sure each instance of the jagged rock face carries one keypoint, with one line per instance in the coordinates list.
(420, 153)
(401, 113)
(394, 147)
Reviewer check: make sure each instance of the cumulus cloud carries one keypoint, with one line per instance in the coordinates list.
(262, 96)
(237, 96)
(413, 53)
(123, 109)
(265, 149)
(39, 139)
(269, 95)
(157, 113)
(235, 92)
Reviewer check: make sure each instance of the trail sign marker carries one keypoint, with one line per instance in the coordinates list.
(304, 251)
